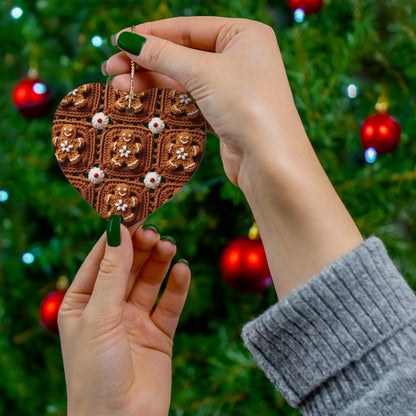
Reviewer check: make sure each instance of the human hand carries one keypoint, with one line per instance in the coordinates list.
(234, 70)
(117, 352)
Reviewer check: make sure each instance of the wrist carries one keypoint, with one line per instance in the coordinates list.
(273, 150)
(302, 221)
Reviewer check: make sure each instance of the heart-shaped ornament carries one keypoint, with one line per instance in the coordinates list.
(128, 163)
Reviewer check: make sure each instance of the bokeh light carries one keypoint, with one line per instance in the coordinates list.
(299, 15)
(352, 91)
(4, 195)
(97, 41)
(28, 258)
(370, 155)
(39, 88)
(16, 12)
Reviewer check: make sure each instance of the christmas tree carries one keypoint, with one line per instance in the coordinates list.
(341, 60)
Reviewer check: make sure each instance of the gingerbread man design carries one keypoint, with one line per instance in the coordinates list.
(121, 202)
(125, 150)
(123, 102)
(182, 153)
(77, 97)
(68, 145)
(183, 104)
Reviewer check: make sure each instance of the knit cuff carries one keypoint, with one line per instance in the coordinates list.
(339, 318)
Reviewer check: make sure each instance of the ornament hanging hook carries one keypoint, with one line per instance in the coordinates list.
(382, 102)
(253, 232)
(130, 108)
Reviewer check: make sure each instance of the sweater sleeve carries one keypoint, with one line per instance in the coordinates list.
(344, 343)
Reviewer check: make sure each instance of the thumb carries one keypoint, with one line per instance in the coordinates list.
(110, 286)
(177, 62)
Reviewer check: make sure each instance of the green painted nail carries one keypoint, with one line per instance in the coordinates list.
(104, 69)
(114, 39)
(168, 237)
(113, 231)
(150, 227)
(109, 80)
(184, 261)
(131, 42)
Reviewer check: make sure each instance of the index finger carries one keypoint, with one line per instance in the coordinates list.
(197, 32)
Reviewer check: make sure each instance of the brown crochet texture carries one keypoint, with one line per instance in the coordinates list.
(104, 143)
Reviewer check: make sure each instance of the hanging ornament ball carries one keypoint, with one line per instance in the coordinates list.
(32, 98)
(380, 132)
(308, 6)
(49, 309)
(244, 266)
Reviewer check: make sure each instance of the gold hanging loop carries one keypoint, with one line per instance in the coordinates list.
(133, 67)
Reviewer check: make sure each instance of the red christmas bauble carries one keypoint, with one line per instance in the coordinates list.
(244, 266)
(308, 6)
(49, 309)
(381, 132)
(32, 98)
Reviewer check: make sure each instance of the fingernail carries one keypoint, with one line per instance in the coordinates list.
(184, 261)
(131, 42)
(168, 237)
(150, 227)
(113, 231)
(109, 80)
(114, 39)
(104, 69)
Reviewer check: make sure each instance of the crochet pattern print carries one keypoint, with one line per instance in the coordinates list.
(128, 163)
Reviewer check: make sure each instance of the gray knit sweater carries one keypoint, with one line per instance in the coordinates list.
(345, 342)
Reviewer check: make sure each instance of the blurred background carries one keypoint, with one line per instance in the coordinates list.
(346, 60)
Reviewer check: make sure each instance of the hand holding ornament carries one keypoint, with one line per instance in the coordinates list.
(234, 70)
(116, 346)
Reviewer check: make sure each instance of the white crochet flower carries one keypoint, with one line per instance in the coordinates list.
(120, 206)
(185, 99)
(100, 121)
(66, 147)
(182, 154)
(124, 152)
(96, 175)
(152, 180)
(156, 125)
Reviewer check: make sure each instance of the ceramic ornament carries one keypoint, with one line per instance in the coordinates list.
(126, 153)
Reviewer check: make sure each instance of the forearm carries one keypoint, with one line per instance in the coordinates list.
(303, 223)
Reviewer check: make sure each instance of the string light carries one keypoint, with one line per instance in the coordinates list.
(16, 13)
(39, 88)
(370, 155)
(4, 196)
(97, 41)
(28, 258)
(352, 91)
(299, 15)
